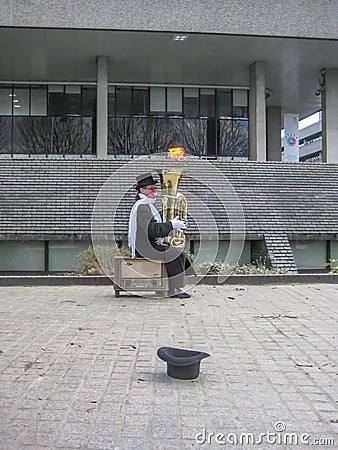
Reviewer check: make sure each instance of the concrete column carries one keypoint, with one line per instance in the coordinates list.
(102, 107)
(257, 128)
(329, 116)
(273, 123)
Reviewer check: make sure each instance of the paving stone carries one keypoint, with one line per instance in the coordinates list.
(107, 394)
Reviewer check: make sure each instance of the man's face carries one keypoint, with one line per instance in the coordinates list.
(149, 191)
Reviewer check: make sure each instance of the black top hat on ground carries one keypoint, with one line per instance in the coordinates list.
(144, 180)
(182, 364)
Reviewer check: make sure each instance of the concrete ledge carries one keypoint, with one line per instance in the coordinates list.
(66, 280)
(273, 279)
(53, 280)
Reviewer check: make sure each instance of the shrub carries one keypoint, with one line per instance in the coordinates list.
(92, 262)
(219, 268)
(332, 264)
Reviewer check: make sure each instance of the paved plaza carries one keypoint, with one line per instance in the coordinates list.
(78, 369)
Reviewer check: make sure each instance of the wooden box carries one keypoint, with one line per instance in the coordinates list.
(140, 275)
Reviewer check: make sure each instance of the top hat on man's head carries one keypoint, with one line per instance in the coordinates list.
(145, 179)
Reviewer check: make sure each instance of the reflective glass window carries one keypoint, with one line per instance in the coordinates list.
(72, 100)
(21, 101)
(66, 135)
(56, 100)
(88, 101)
(73, 104)
(63, 254)
(140, 101)
(157, 100)
(73, 89)
(334, 249)
(123, 101)
(38, 101)
(224, 106)
(208, 251)
(240, 103)
(191, 102)
(309, 254)
(88, 136)
(174, 100)
(6, 95)
(56, 103)
(240, 138)
(22, 256)
(111, 101)
(56, 88)
(195, 136)
(207, 102)
(32, 135)
(5, 135)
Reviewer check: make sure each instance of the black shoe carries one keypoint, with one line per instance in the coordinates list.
(178, 293)
(182, 295)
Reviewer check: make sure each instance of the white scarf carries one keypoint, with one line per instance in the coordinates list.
(133, 220)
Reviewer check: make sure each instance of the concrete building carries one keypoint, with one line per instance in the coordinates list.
(126, 78)
(311, 142)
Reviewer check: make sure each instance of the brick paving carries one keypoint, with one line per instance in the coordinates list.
(78, 369)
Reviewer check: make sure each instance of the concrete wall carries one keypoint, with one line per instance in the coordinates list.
(298, 18)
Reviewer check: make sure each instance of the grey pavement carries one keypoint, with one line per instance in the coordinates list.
(78, 368)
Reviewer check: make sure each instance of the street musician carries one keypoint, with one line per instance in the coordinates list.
(147, 232)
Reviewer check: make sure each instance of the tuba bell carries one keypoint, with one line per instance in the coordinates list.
(173, 203)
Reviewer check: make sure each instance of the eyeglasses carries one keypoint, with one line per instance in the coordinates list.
(153, 188)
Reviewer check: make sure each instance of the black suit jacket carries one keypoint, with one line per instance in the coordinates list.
(148, 229)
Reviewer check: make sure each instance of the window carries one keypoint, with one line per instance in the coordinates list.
(21, 101)
(157, 100)
(123, 101)
(174, 101)
(6, 96)
(334, 250)
(191, 102)
(224, 103)
(22, 256)
(111, 101)
(38, 101)
(88, 107)
(210, 251)
(140, 101)
(63, 254)
(207, 99)
(309, 254)
(240, 103)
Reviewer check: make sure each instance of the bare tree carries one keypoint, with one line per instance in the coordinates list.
(5, 136)
(52, 135)
(195, 136)
(143, 135)
(233, 138)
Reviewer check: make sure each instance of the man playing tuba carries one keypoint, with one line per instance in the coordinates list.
(147, 232)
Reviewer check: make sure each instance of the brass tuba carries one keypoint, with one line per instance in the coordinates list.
(173, 203)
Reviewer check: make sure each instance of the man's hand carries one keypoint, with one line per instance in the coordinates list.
(178, 224)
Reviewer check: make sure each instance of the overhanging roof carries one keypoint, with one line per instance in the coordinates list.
(292, 65)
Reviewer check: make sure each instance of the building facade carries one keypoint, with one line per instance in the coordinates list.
(216, 76)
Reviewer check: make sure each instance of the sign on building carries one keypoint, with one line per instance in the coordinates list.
(291, 138)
